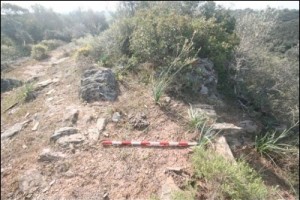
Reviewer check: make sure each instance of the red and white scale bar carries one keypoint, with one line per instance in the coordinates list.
(149, 143)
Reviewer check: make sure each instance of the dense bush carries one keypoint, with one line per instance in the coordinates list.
(267, 78)
(52, 44)
(39, 52)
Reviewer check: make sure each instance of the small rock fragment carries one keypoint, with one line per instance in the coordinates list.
(204, 90)
(116, 117)
(101, 122)
(35, 127)
(139, 121)
(167, 100)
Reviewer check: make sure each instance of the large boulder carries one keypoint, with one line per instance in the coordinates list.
(98, 84)
(9, 84)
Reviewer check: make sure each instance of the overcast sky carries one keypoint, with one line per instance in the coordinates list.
(67, 6)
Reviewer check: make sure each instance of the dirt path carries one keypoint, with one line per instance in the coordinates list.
(89, 171)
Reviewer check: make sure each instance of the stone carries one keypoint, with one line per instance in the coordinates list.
(43, 84)
(101, 123)
(98, 84)
(93, 134)
(14, 130)
(174, 169)
(35, 127)
(9, 84)
(205, 109)
(31, 181)
(222, 148)
(116, 117)
(222, 126)
(168, 188)
(249, 126)
(204, 90)
(65, 131)
(71, 116)
(139, 121)
(202, 77)
(48, 156)
(71, 139)
(50, 92)
(167, 100)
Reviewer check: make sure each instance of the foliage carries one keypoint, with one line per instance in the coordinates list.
(177, 65)
(27, 28)
(52, 44)
(265, 75)
(28, 92)
(231, 181)
(271, 142)
(83, 51)
(39, 52)
(203, 124)
(187, 195)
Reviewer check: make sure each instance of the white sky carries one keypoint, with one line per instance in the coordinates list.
(67, 6)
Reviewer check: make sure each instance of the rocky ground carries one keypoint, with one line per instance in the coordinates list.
(51, 146)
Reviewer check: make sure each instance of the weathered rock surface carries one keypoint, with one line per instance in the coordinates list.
(202, 77)
(205, 109)
(222, 126)
(9, 84)
(35, 127)
(98, 84)
(14, 130)
(116, 117)
(65, 131)
(71, 139)
(71, 116)
(93, 134)
(48, 156)
(31, 181)
(101, 123)
(139, 121)
(222, 147)
(249, 126)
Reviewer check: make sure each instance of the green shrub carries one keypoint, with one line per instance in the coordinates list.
(271, 144)
(39, 52)
(52, 44)
(83, 51)
(231, 181)
(268, 79)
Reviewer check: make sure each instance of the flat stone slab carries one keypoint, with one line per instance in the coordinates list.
(48, 156)
(71, 139)
(65, 131)
(222, 148)
(14, 130)
(221, 126)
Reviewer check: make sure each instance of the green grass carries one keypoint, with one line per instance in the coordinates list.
(158, 88)
(234, 181)
(271, 142)
(184, 195)
(200, 122)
